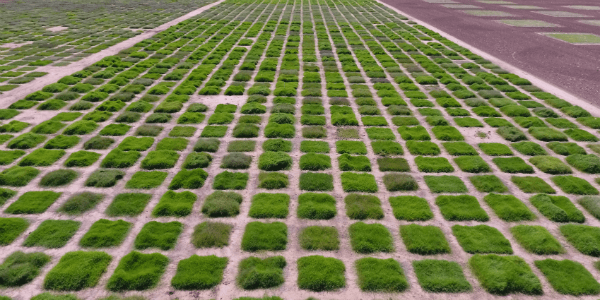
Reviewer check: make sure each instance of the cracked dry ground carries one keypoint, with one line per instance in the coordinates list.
(297, 149)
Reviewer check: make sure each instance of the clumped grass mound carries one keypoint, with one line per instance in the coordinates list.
(568, 277)
(574, 185)
(230, 181)
(222, 204)
(557, 208)
(317, 273)
(591, 204)
(316, 182)
(33, 203)
(18, 176)
(188, 179)
(77, 270)
(445, 184)
(256, 273)
(199, 272)
(358, 182)
(175, 204)
(361, 207)
(137, 271)
(380, 275)
(316, 206)
(461, 208)
(503, 275)
(104, 178)
(128, 204)
(266, 205)
(441, 276)
(58, 178)
(509, 208)
(21, 268)
(488, 184)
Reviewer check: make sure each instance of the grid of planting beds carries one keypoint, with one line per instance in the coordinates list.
(37, 33)
(294, 150)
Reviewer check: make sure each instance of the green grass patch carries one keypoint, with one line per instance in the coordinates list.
(317, 273)
(380, 275)
(319, 238)
(21, 268)
(557, 208)
(77, 270)
(230, 181)
(18, 176)
(11, 228)
(589, 163)
(568, 277)
(424, 240)
(274, 161)
(58, 178)
(586, 239)
(120, 159)
(316, 182)
(286, 146)
(146, 180)
(441, 276)
(158, 235)
(266, 205)
(41, 157)
(255, 273)
(481, 239)
(105, 233)
(488, 184)
(529, 148)
(236, 160)
(550, 165)
(128, 204)
(461, 208)
(445, 184)
(537, 240)
(574, 185)
(222, 204)
(459, 148)
(418, 133)
(174, 204)
(52, 234)
(137, 271)
(175, 144)
(316, 206)
(354, 163)
(62, 142)
(591, 204)
(565, 148)
(385, 148)
(33, 203)
(98, 143)
(503, 275)
(80, 203)
(9, 156)
(264, 236)
(104, 178)
(197, 160)
(509, 208)
(351, 147)
(472, 164)
(422, 148)
(361, 207)
(199, 272)
(211, 234)
(495, 149)
(513, 165)
(188, 179)
(531, 184)
(160, 159)
(370, 238)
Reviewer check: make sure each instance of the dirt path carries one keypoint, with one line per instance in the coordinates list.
(55, 73)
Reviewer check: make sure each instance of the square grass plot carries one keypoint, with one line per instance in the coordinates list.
(481, 239)
(319, 238)
(316, 182)
(424, 240)
(574, 185)
(531, 184)
(586, 239)
(537, 240)
(158, 235)
(137, 271)
(387, 164)
(459, 148)
(146, 180)
(316, 206)
(513, 165)
(472, 164)
(461, 208)
(11, 228)
(33, 203)
(380, 275)
(230, 181)
(495, 149)
(41, 158)
(317, 273)
(488, 184)
(399, 182)
(222, 204)
(199, 272)
(370, 238)
(568, 277)
(348, 162)
(351, 147)
(188, 179)
(211, 234)
(361, 207)
(434, 164)
(128, 204)
(557, 208)
(52, 234)
(509, 208)
(105, 233)
(385, 148)
(265, 205)
(175, 204)
(423, 148)
(264, 236)
(441, 276)
(77, 270)
(255, 273)
(503, 275)
(445, 184)
(160, 159)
